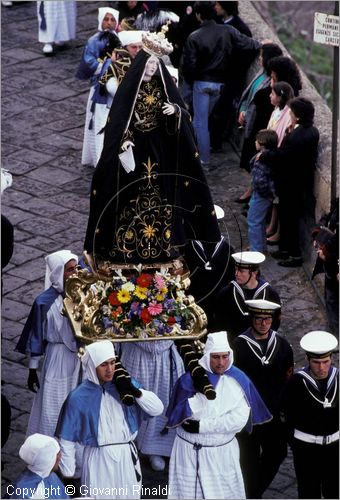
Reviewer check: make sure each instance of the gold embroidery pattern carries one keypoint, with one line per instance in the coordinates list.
(145, 224)
(148, 108)
(117, 69)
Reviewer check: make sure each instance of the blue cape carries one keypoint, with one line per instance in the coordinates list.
(28, 482)
(32, 337)
(79, 417)
(179, 409)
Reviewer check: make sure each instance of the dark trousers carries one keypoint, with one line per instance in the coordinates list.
(317, 469)
(289, 217)
(261, 454)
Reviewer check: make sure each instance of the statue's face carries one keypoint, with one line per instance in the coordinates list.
(151, 67)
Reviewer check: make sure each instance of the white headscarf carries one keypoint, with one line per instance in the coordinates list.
(102, 11)
(216, 342)
(40, 453)
(55, 263)
(130, 36)
(96, 354)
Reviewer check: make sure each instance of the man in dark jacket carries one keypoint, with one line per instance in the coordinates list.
(206, 61)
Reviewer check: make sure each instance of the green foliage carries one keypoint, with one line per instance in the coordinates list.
(314, 59)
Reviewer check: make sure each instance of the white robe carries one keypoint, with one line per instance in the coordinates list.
(157, 366)
(59, 374)
(93, 140)
(60, 18)
(108, 470)
(219, 473)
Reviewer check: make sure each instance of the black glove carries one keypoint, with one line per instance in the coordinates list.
(202, 383)
(127, 391)
(192, 426)
(33, 380)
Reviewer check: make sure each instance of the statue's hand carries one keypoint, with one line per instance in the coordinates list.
(126, 144)
(168, 109)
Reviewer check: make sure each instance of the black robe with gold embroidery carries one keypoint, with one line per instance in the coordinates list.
(146, 216)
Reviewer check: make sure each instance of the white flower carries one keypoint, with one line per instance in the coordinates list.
(180, 295)
(128, 287)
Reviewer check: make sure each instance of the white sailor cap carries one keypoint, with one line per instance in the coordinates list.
(248, 260)
(318, 344)
(261, 306)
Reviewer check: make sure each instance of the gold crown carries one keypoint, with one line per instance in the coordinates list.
(156, 44)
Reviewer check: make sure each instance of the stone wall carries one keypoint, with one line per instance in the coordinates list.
(323, 121)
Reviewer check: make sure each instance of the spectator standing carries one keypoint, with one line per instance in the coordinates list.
(205, 458)
(223, 115)
(263, 192)
(311, 410)
(48, 333)
(247, 108)
(97, 56)
(231, 311)
(42, 456)
(57, 23)
(206, 61)
(108, 428)
(279, 121)
(293, 165)
(267, 359)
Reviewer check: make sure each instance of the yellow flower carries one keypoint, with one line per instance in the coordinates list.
(160, 297)
(141, 292)
(123, 296)
(164, 289)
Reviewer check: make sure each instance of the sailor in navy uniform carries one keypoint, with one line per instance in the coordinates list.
(231, 312)
(311, 409)
(209, 275)
(267, 359)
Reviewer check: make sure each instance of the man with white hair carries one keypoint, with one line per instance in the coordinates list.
(205, 458)
(96, 56)
(94, 416)
(48, 333)
(311, 409)
(42, 456)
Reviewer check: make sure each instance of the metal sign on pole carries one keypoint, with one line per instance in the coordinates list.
(326, 31)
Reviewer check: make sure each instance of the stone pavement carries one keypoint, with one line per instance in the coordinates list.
(43, 113)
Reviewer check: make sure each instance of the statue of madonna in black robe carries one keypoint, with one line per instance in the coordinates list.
(148, 215)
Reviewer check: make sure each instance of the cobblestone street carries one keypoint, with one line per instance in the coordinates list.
(43, 115)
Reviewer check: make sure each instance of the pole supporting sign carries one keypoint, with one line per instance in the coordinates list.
(326, 29)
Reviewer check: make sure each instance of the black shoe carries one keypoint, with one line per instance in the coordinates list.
(280, 254)
(242, 200)
(291, 262)
(272, 243)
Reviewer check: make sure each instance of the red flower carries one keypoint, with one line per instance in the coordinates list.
(117, 312)
(113, 299)
(144, 280)
(145, 316)
(171, 320)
